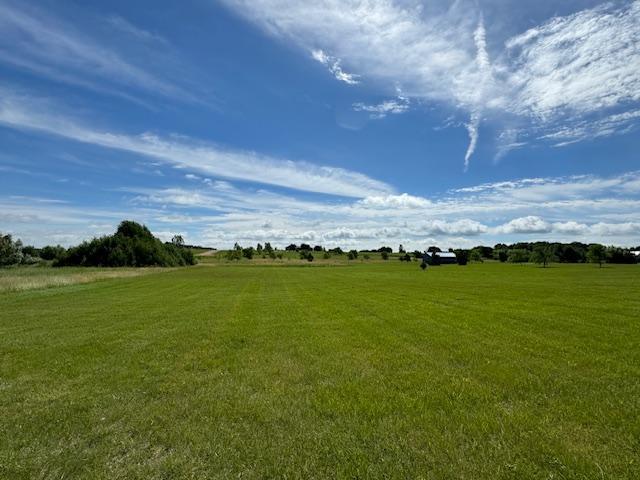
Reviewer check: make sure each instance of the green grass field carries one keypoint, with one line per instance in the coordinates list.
(370, 370)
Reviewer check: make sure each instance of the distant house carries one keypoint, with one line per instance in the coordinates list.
(439, 258)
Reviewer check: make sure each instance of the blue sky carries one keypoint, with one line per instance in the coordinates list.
(357, 124)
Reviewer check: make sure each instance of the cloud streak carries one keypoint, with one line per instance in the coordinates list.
(556, 79)
(27, 114)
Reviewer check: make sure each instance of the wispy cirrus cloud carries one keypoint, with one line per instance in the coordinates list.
(37, 41)
(27, 113)
(333, 64)
(575, 77)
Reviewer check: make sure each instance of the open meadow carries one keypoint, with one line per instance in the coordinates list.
(362, 370)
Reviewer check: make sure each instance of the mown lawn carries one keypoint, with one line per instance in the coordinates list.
(363, 371)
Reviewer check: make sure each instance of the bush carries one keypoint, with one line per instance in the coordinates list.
(248, 252)
(385, 255)
(462, 257)
(352, 255)
(10, 251)
(518, 255)
(306, 255)
(132, 245)
(52, 253)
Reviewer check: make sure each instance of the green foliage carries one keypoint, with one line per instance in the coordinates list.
(133, 245)
(52, 253)
(501, 254)
(352, 255)
(462, 257)
(326, 255)
(518, 255)
(475, 255)
(619, 255)
(306, 255)
(384, 254)
(543, 255)
(596, 254)
(10, 251)
(178, 240)
(248, 252)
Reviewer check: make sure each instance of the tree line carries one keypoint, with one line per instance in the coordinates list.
(132, 245)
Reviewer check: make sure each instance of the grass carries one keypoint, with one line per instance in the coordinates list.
(35, 277)
(364, 371)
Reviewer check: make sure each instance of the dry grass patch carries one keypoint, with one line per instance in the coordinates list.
(31, 278)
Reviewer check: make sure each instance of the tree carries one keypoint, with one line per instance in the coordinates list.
(268, 248)
(596, 254)
(518, 255)
(385, 255)
(318, 248)
(177, 240)
(475, 256)
(501, 254)
(259, 249)
(133, 245)
(305, 246)
(543, 254)
(485, 252)
(614, 255)
(248, 252)
(385, 249)
(291, 248)
(462, 257)
(433, 249)
(337, 251)
(352, 255)
(306, 255)
(52, 253)
(10, 251)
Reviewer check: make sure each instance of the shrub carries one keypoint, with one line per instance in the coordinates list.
(518, 255)
(326, 255)
(52, 253)
(385, 255)
(248, 252)
(462, 257)
(596, 254)
(543, 254)
(132, 245)
(10, 251)
(352, 255)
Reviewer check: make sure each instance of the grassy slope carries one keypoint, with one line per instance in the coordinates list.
(486, 371)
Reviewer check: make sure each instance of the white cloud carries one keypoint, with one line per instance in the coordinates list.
(221, 213)
(38, 41)
(333, 64)
(528, 224)
(381, 110)
(25, 113)
(556, 78)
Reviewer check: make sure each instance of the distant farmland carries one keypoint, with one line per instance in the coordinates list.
(359, 370)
